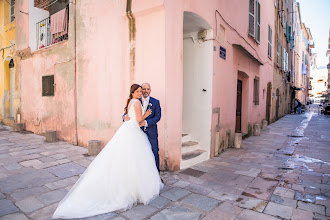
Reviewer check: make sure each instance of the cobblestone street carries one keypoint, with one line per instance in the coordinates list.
(282, 174)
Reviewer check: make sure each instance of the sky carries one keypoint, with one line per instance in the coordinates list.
(316, 15)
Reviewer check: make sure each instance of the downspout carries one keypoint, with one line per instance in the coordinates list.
(75, 74)
(132, 30)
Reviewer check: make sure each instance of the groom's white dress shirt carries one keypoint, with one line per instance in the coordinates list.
(145, 102)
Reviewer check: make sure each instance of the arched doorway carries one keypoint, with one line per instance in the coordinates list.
(241, 124)
(277, 103)
(8, 103)
(268, 101)
(197, 89)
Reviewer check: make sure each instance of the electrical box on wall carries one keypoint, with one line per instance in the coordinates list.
(202, 34)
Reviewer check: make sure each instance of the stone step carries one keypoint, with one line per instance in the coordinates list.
(9, 121)
(192, 158)
(189, 146)
(186, 137)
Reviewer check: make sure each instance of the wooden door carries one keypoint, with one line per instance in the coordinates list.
(238, 128)
(268, 101)
(12, 92)
(277, 102)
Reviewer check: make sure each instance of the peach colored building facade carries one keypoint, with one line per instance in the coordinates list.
(173, 45)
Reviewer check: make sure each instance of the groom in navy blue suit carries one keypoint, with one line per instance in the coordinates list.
(149, 126)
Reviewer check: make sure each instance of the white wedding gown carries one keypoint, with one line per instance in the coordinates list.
(123, 174)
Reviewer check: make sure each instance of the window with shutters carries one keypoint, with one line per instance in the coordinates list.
(48, 85)
(270, 34)
(12, 11)
(252, 18)
(283, 59)
(303, 56)
(258, 22)
(286, 61)
(281, 64)
(278, 53)
(256, 91)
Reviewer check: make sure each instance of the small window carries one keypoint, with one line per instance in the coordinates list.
(48, 85)
(12, 10)
(256, 91)
(270, 35)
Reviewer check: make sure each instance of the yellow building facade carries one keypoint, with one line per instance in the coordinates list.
(9, 80)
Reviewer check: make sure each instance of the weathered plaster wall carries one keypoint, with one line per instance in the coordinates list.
(105, 70)
(41, 113)
(7, 42)
(104, 80)
(22, 24)
(102, 69)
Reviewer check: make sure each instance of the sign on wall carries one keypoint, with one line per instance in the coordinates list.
(222, 52)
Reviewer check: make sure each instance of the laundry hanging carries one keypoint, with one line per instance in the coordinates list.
(59, 24)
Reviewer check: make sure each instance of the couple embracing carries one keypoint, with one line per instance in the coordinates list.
(126, 171)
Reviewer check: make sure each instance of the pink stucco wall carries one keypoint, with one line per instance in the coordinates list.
(103, 74)
(22, 24)
(225, 71)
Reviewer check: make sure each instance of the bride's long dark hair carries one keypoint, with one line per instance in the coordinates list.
(134, 87)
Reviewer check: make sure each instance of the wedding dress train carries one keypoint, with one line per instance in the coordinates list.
(123, 174)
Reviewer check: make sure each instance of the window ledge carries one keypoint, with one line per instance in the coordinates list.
(50, 46)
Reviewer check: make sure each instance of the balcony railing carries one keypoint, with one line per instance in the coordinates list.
(48, 33)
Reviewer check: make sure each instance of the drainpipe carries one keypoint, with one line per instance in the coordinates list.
(132, 30)
(75, 73)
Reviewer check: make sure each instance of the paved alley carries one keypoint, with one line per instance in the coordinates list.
(282, 174)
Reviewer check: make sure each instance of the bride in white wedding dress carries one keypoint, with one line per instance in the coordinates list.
(123, 174)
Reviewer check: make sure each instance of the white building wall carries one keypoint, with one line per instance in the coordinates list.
(197, 75)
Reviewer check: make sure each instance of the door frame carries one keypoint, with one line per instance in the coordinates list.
(268, 101)
(239, 103)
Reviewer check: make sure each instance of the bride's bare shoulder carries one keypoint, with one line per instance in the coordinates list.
(137, 104)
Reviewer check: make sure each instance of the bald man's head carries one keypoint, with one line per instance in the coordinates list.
(146, 89)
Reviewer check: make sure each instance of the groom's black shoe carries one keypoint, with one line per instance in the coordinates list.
(161, 178)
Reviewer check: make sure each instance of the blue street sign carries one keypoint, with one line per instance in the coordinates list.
(223, 52)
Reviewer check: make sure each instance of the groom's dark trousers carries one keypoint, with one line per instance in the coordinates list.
(152, 131)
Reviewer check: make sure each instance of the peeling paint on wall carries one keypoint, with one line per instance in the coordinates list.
(132, 32)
